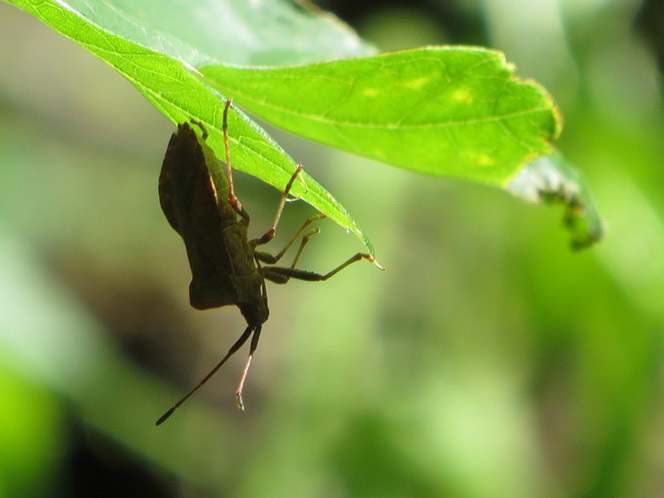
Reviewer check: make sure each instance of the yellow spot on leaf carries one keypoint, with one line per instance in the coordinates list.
(462, 95)
(484, 160)
(417, 83)
(480, 158)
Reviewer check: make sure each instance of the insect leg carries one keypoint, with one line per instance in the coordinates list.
(232, 199)
(203, 129)
(270, 259)
(281, 275)
(304, 242)
(280, 278)
(269, 235)
(238, 344)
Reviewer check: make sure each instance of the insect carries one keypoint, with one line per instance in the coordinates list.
(227, 269)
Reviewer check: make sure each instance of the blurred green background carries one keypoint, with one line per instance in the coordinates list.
(487, 361)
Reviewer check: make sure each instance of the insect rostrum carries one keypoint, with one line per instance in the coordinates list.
(199, 202)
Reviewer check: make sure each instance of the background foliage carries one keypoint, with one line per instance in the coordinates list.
(487, 361)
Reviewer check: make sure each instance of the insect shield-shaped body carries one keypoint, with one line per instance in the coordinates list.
(200, 204)
(196, 198)
(194, 195)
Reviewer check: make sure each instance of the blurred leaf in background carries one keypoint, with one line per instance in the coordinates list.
(488, 361)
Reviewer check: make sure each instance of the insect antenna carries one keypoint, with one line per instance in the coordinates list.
(245, 371)
(238, 344)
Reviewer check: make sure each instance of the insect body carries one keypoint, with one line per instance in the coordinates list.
(200, 204)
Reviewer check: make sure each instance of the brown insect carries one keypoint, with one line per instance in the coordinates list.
(200, 204)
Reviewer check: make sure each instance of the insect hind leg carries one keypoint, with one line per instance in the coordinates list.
(281, 275)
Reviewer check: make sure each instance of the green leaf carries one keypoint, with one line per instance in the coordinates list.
(118, 32)
(247, 33)
(453, 111)
(447, 111)
(551, 180)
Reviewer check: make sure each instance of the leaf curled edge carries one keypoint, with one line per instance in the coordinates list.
(551, 180)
